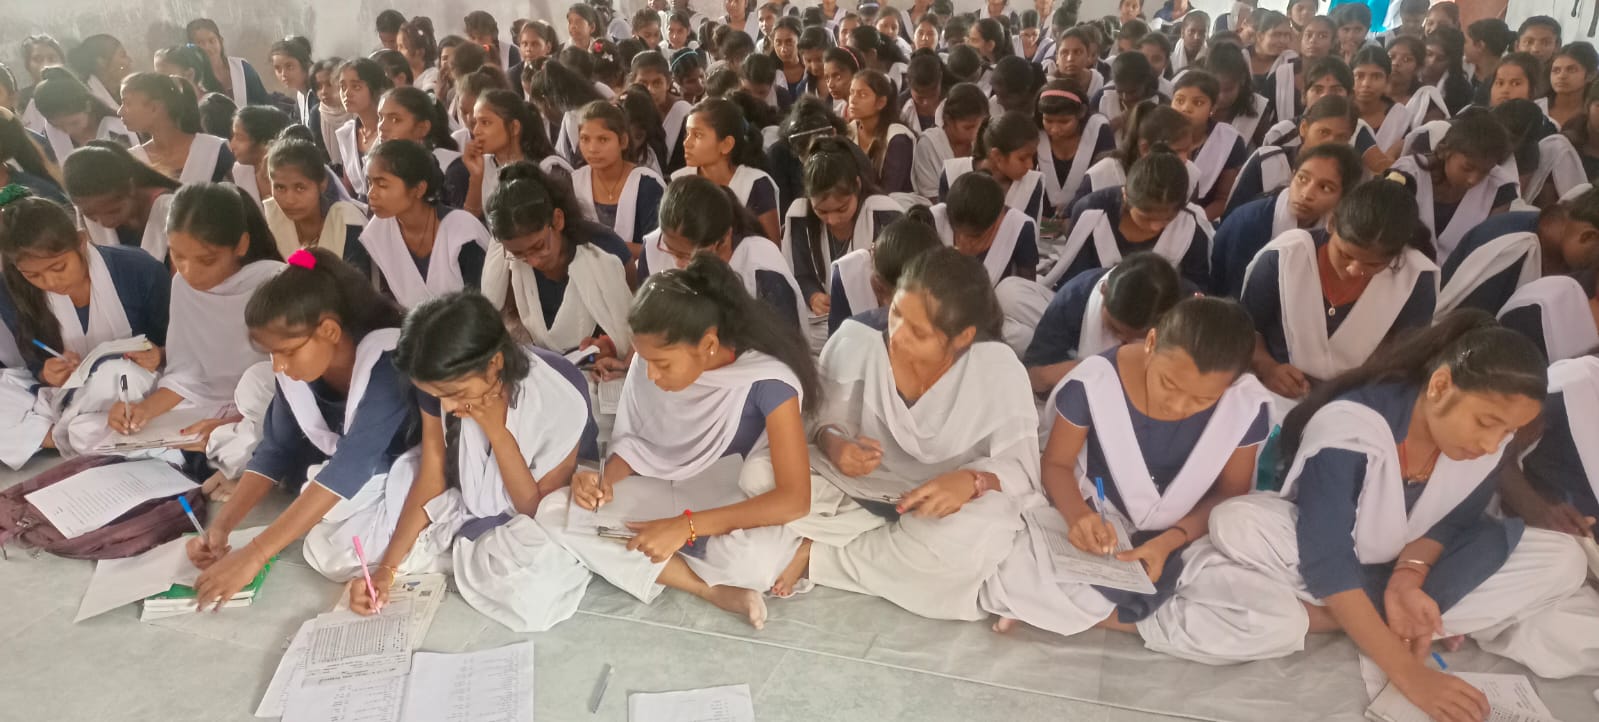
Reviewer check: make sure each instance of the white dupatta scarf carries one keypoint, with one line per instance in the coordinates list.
(998, 258)
(756, 253)
(208, 345)
(241, 90)
(1283, 219)
(111, 128)
(1061, 191)
(1489, 259)
(347, 139)
(674, 119)
(1395, 126)
(1246, 125)
(335, 227)
(677, 435)
(865, 227)
(201, 165)
(1382, 526)
(1212, 156)
(108, 321)
(1094, 226)
(1473, 209)
(546, 416)
(743, 180)
(1146, 506)
(626, 201)
(393, 259)
(596, 295)
(853, 271)
(154, 241)
(1092, 336)
(1304, 317)
(1568, 323)
(302, 402)
(1578, 380)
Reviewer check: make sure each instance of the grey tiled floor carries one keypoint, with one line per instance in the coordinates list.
(827, 655)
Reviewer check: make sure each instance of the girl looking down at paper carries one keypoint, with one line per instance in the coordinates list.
(715, 375)
(340, 417)
(1171, 423)
(70, 296)
(503, 426)
(934, 400)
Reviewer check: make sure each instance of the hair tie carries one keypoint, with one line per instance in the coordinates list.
(1057, 93)
(12, 193)
(302, 258)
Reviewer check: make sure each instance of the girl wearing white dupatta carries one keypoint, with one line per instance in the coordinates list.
(235, 76)
(720, 144)
(1324, 301)
(505, 129)
(715, 376)
(1382, 532)
(123, 202)
(1463, 180)
(167, 110)
(962, 115)
(1171, 425)
(1555, 484)
(503, 426)
(1386, 119)
(977, 222)
(864, 280)
(73, 116)
(1096, 311)
(1513, 249)
(1312, 188)
(1222, 150)
(420, 248)
(361, 82)
(1559, 313)
(841, 212)
(70, 297)
(611, 189)
(938, 416)
(306, 209)
(1069, 140)
(1007, 152)
(341, 416)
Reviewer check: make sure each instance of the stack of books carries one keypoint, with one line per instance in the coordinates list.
(179, 599)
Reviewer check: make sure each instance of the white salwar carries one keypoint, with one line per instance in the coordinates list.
(231, 445)
(154, 240)
(392, 258)
(1568, 324)
(201, 165)
(978, 416)
(596, 295)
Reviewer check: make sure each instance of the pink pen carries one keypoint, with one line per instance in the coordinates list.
(371, 592)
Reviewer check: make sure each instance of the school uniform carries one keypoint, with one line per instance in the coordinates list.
(128, 296)
(850, 290)
(1268, 170)
(1096, 80)
(347, 138)
(1181, 60)
(1449, 222)
(566, 135)
(1281, 88)
(428, 79)
(751, 186)
(894, 172)
(1243, 233)
(710, 440)
(1563, 463)
(559, 314)
(1063, 178)
(1395, 125)
(101, 93)
(152, 238)
(917, 122)
(1014, 248)
(246, 84)
(342, 225)
(1559, 164)
(1222, 151)
(812, 248)
(1426, 99)
(1071, 324)
(1493, 259)
(637, 208)
(1344, 516)
(1096, 240)
(1284, 294)
(209, 160)
(1555, 312)
(454, 263)
(1025, 194)
(1285, 133)
(1109, 173)
(41, 186)
(244, 179)
(346, 443)
(1176, 465)
(927, 163)
(673, 121)
(979, 416)
(60, 144)
(1107, 101)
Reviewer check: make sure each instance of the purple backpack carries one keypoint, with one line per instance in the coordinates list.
(140, 529)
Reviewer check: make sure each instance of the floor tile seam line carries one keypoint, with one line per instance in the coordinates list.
(903, 668)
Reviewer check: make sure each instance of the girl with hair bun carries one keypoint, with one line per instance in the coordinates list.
(123, 202)
(713, 409)
(340, 410)
(1324, 301)
(503, 426)
(420, 247)
(1381, 529)
(1172, 424)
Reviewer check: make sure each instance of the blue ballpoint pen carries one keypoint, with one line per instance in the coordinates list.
(1099, 489)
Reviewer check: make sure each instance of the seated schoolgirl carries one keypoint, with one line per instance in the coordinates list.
(935, 402)
(1322, 176)
(1512, 249)
(305, 210)
(1551, 485)
(962, 116)
(1381, 530)
(69, 296)
(707, 353)
(1324, 77)
(1221, 150)
(1171, 423)
(166, 110)
(505, 127)
(651, 70)
(23, 161)
(1074, 62)
(1098, 310)
(1069, 142)
(568, 280)
(1324, 300)
(1406, 56)
(1462, 181)
(1386, 119)
(1147, 125)
(361, 83)
(123, 201)
(342, 412)
(698, 216)
(872, 126)
(1238, 100)
(1270, 168)
(254, 129)
(420, 248)
(1006, 151)
(926, 87)
(611, 188)
(1286, 85)
(842, 211)
(221, 251)
(977, 221)
(1133, 81)
(646, 141)
(408, 113)
(503, 426)
(74, 117)
(1151, 212)
(1559, 313)
(720, 145)
(864, 280)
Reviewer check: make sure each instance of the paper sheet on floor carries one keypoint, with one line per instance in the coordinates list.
(346, 646)
(712, 704)
(424, 592)
(494, 685)
(1510, 696)
(92, 498)
(124, 581)
(360, 700)
(1066, 563)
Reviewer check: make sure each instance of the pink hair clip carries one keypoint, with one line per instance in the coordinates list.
(303, 258)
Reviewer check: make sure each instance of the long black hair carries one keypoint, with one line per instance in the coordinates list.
(218, 214)
(294, 301)
(17, 145)
(681, 305)
(34, 227)
(726, 119)
(534, 136)
(960, 294)
(102, 168)
(1215, 332)
(705, 213)
(175, 96)
(1482, 356)
(413, 164)
(424, 107)
(1141, 288)
(59, 93)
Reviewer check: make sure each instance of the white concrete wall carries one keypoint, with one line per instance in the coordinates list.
(1572, 28)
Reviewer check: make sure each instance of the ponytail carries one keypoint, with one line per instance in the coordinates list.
(318, 285)
(176, 96)
(29, 228)
(705, 213)
(1140, 289)
(219, 214)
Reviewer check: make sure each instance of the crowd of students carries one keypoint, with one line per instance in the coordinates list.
(1245, 273)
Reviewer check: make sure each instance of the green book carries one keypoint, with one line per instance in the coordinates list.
(181, 591)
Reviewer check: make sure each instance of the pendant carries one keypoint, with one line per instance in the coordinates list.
(1332, 313)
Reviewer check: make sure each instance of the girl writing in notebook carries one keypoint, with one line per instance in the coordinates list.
(68, 296)
(420, 247)
(961, 117)
(340, 416)
(1069, 140)
(719, 144)
(123, 202)
(166, 109)
(1148, 125)
(716, 375)
(1169, 426)
(842, 211)
(611, 189)
(503, 426)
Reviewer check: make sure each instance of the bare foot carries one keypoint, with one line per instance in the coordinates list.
(1005, 624)
(746, 602)
(218, 488)
(783, 588)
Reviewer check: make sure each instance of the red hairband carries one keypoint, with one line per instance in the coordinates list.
(302, 258)
(1067, 94)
